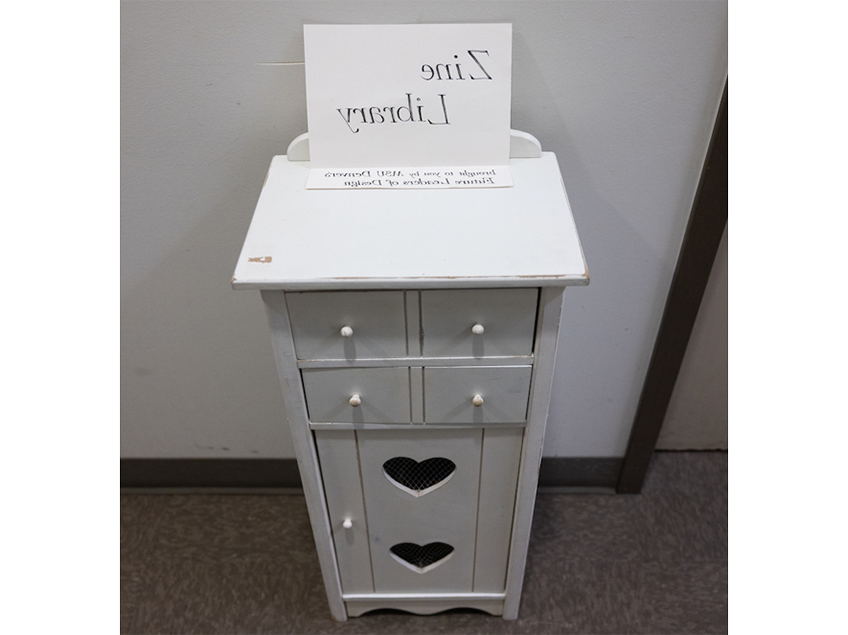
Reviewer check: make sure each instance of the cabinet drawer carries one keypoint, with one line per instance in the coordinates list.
(383, 395)
(508, 318)
(450, 392)
(376, 319)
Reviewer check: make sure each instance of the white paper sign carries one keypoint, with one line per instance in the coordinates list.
(410, 178)
(408, 98)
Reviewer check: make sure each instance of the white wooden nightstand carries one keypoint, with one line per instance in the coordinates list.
(415, 333)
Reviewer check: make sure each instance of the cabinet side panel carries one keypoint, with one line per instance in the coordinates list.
(498, 477)
(343, 489)
(304, 446)
(550, 311)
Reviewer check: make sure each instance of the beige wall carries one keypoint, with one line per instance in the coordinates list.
(625, 92)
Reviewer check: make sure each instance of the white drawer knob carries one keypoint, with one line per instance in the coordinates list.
(346, 331)
(477, 400)
(348, 523)
(355, 401)
(477, 329)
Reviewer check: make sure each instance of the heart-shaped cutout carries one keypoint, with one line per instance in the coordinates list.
(421, 559)
(417, 478)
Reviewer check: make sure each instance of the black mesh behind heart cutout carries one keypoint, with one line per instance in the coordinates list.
(422, 557)
(417, 477)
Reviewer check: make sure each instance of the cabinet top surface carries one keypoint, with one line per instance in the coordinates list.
(356, 239)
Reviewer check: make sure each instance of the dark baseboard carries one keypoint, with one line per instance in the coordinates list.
(209, 473)
(579, 472)
(282, 473)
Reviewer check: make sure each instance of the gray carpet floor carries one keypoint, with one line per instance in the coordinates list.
(649, 563)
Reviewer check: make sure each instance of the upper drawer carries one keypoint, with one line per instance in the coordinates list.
(507, 318)
(375, 318)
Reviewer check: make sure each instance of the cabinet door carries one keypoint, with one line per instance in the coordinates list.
(376, 320)
(421, 542)
(429, 510)
(507, 318)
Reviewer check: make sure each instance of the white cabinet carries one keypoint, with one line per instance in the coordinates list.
(416, 380)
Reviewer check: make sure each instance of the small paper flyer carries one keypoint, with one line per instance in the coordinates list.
(408, 106)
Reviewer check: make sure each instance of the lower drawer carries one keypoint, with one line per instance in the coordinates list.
(438, 503)
(477, 394)
(381, 395)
